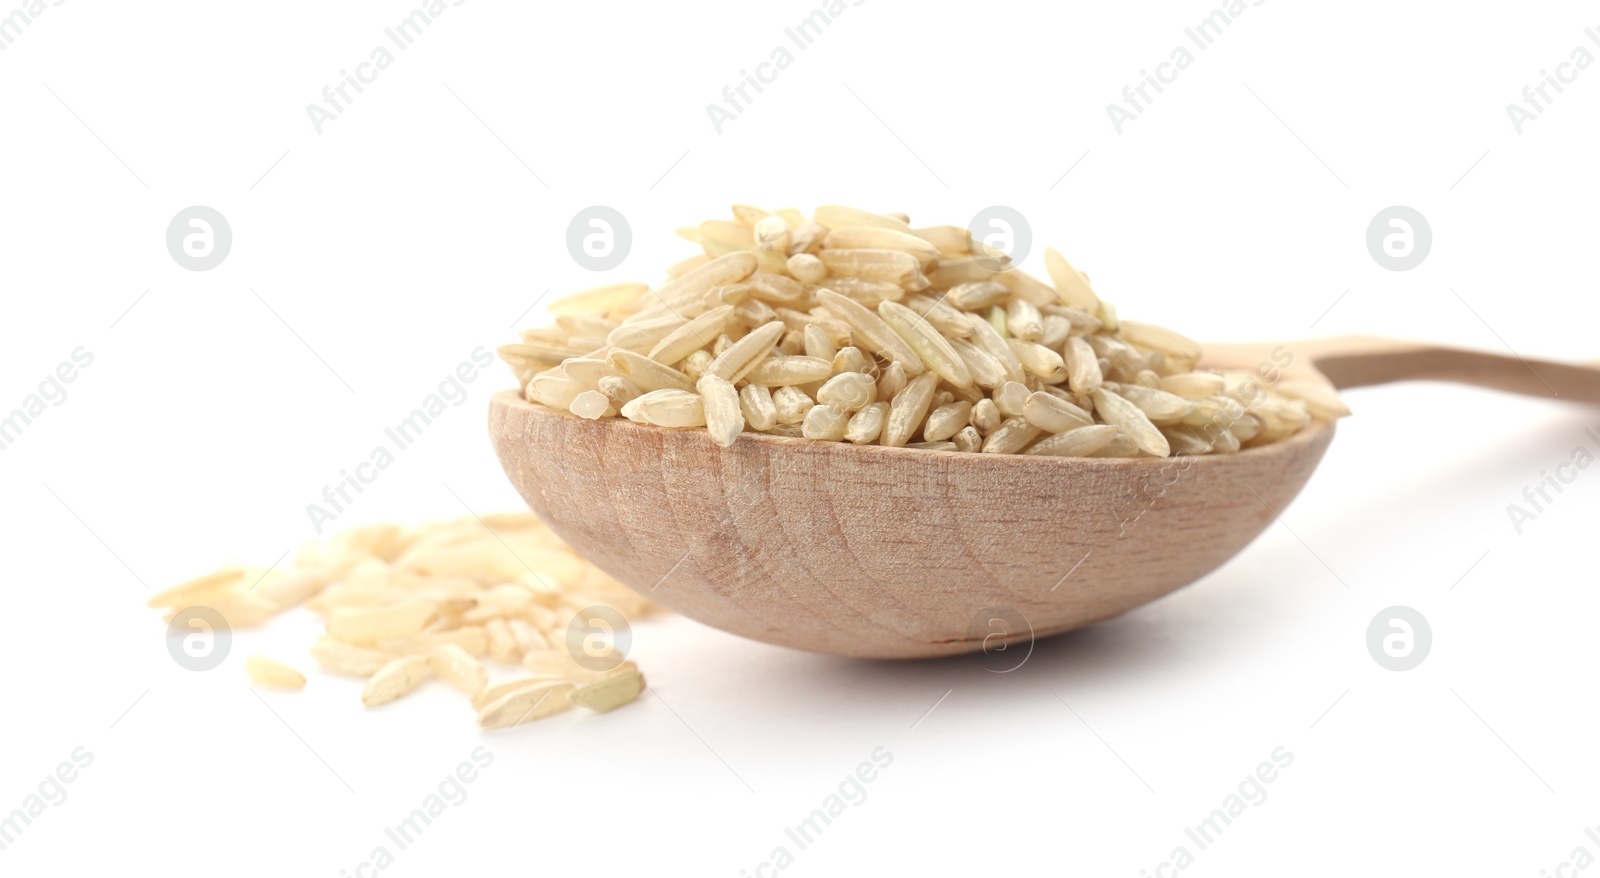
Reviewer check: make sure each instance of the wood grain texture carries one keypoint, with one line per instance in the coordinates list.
(886, 552)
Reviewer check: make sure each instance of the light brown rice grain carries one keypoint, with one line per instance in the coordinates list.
(1011, 398)
(781, 371)
(792, 404)
(848, 391)
(1083, 367)
(1193, 385)
(946, 421)
(723, 416)
(951, 241)
(772, 233)
(526, 704)
(1053, 414)
(596, 300)
(807, 268)
(1036, 358)
(1076, 442)
(619, 390)
(1024, 320)
(696, 364)
(610, 693)
(289, 589)
(489, 694)
(908, 409)
(880, 238)
(947, 320)
(755, 403)
(1160, 407)
(931, 347)
(271, 672)
(818, 344)
(866, 425)
(746, 352)
(502, 644)
(871, 331)
(1245, 427)
(1158, 338)
(1010, 437)
(642, 335)
(989, 339)
(776, 289)
(976, 295)
(453, 665)
(1071, 286)
(669, 408)
(986, 371)
(962, 269)
(1321, 400)
(986, 416)
(838, 216)
(366, 626)
(1121, 413)
(1121, 445)
(1054, 331)
(343, 658)
(753, 312)
(891, 382)
(869, 293)
(727, 269)
(825, 422)
(691, 336)
(648, 374)
(394, 679)
(590, 404)
(851, 359)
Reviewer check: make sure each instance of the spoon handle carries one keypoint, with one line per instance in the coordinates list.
(1362, 361)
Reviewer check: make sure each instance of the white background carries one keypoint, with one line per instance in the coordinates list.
(370, 259)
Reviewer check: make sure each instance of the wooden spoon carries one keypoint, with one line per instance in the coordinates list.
(904, 553)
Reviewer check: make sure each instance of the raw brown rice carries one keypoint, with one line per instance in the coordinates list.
(401, 604)
(854, 326)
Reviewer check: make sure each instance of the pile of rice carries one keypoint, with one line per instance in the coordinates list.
(851, 326)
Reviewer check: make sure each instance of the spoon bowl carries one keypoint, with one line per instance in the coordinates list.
(885, 552)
